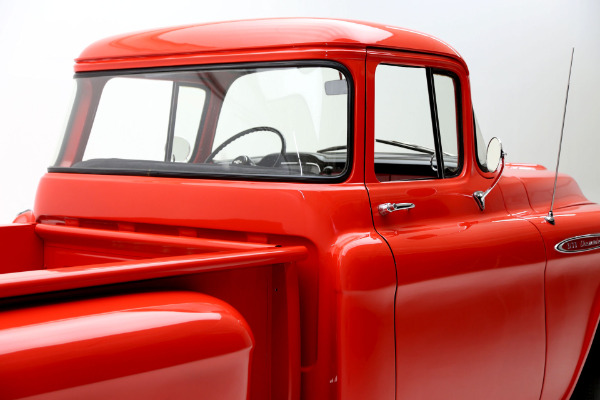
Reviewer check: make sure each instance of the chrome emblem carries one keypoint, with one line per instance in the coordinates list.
(578, 244)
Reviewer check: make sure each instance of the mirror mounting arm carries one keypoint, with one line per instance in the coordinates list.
(480, 196)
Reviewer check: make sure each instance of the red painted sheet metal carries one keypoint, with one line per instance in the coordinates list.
(572, 290)
(31, 282)
(55, 232)
(175, 345)
(21, 249)
(261, 34)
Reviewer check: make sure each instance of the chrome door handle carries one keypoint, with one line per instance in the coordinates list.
(386, 208)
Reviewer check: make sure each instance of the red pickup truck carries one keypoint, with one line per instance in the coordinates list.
(293, 209)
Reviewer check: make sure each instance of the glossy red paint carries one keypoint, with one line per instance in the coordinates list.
(333, 220)
(22, 250)
(191, 244)
(292, 35)
(173, 345)
(54, 279)
(572, 281)
(572, 297)
(439, 301)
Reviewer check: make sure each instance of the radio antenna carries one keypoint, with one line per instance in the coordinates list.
(550, 216)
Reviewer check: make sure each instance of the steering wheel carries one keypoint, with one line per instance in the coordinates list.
(245, 160)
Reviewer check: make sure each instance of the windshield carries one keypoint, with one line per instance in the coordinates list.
(243, 122)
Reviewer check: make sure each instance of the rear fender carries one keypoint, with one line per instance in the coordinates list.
(172, 345)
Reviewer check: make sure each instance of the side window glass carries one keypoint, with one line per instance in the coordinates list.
(408, 135)
(404, 140)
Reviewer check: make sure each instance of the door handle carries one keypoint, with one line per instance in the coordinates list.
(386, 208)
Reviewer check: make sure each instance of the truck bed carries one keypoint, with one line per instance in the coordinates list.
(40, 258)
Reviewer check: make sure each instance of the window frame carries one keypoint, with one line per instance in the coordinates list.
(173, 120)
(459, 121)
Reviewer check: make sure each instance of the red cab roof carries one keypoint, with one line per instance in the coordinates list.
(262, 34)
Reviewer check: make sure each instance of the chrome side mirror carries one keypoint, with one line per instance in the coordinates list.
(494, 155)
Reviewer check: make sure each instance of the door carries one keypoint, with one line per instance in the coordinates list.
(469, 308)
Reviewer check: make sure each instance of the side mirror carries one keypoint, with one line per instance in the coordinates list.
(494, 155)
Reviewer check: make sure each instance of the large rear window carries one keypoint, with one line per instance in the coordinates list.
(287, 122)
